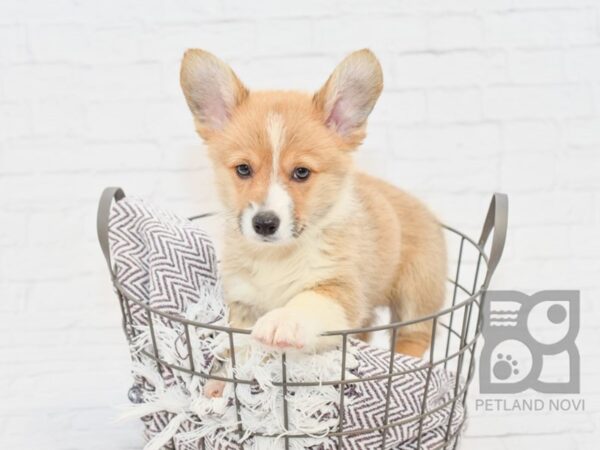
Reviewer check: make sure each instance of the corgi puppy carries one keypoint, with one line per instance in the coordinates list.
(311, 245)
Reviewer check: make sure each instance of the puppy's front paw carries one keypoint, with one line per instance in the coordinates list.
(280, 328)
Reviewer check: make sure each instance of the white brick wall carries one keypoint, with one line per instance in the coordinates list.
(480, 96)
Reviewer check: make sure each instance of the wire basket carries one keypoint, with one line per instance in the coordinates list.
(455, 330)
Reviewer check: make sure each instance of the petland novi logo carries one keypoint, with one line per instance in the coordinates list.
(530, 343)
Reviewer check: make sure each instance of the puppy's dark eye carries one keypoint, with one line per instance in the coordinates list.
(243, 170)
(301, 173)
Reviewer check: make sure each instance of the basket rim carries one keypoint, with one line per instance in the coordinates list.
(344, 332)
(467, 346)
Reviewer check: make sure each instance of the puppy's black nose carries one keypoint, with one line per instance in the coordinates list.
(265, 223)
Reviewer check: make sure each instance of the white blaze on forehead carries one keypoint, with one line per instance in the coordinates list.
(277, 199)
(276, 134)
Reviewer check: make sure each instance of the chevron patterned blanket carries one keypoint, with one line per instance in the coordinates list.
(169, 263)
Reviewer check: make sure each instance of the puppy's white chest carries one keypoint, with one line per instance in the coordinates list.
(266, 284)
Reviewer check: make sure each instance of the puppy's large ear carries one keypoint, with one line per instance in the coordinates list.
(211, 89)
(349, 95)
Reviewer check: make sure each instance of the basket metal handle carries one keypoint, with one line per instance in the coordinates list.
(108, 195)
(497, 220)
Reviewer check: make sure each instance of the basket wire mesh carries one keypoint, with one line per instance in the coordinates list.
(455, 331)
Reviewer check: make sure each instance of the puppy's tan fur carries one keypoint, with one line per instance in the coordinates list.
(355, 242)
